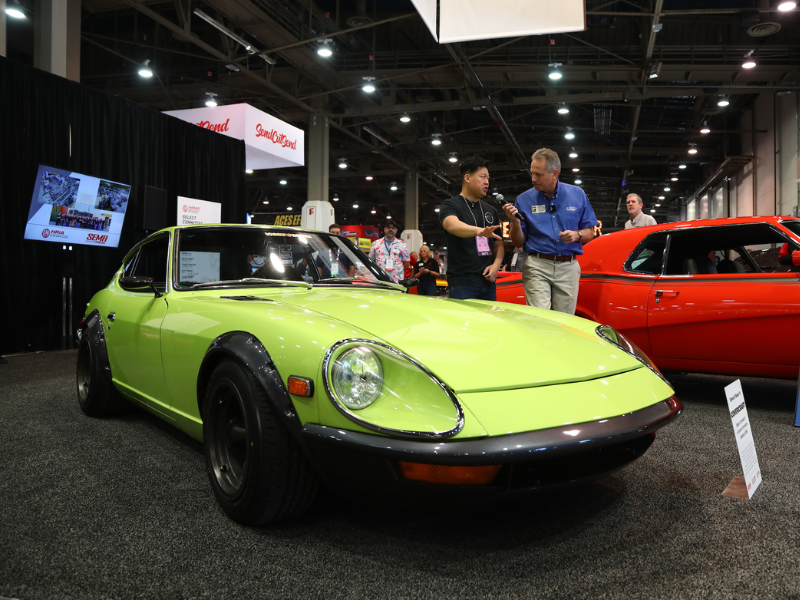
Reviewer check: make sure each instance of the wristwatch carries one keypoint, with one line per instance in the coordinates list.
(580, 234)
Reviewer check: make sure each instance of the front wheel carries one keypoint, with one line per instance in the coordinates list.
(257, 471)
(97, 395)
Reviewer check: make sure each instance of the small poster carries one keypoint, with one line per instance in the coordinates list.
(744, 436)
(195, 212)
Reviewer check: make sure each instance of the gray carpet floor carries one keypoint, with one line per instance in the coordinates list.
(121, 508)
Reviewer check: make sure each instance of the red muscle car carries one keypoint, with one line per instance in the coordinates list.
(710, 296)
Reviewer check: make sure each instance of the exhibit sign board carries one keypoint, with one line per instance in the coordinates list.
(744, 436)
(196, 212)
(269, 142)
(464, 20)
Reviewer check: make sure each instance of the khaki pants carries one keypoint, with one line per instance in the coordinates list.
(551, 284)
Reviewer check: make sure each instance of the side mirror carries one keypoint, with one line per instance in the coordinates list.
(139, 284)
(408, 283)
(796, 258)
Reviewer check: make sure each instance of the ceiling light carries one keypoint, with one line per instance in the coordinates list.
(368, 87)
(265, 202)
(324, 49)
(436, 141)
(674, 179)
(336, 198)
(749, 63)
(288, 208)
(369, 178)
(388, 216)
(393, 187)
(578, 182)
(652, 210)
(705, 130)
(146, 71)
(283, 182)
(342, 165)
(658, 206)
(575, 170)
(573, 154)
(692, 150)
(436, 209)
(655, 69)
(249, 171)
(569, 135)
(784, 6)
(15, 13)
(211, 102)
(405, 119)
(453, 159)
(681, 166)
(355, 205)
(555, 74)
(666, 189)
(563, 110)
(661, 197)
(723, 102)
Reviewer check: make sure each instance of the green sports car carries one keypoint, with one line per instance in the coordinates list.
(297, 361)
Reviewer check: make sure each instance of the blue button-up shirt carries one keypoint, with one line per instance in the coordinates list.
(541, 224)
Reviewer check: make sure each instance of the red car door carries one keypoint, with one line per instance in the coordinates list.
(738, 319)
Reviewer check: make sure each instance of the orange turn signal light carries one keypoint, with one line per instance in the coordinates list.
(300, 386)
(447, 475)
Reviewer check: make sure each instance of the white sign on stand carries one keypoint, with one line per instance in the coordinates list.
(192, 211)
(744, 436)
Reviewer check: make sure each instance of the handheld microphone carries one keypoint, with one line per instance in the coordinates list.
(500, 199)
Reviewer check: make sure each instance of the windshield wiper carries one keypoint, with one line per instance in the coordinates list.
(351, 280)
(257, 280)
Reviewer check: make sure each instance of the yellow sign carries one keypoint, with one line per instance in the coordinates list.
(290, 220)
(364, 243)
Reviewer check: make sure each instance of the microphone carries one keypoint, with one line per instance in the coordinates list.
(500, 198)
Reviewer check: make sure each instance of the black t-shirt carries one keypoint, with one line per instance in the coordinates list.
(429, 264)
(464, 265)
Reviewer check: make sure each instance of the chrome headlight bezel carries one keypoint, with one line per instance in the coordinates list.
(613, 336)
(338, 349)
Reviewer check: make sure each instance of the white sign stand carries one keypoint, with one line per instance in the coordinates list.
(744, 438)
(192, 211)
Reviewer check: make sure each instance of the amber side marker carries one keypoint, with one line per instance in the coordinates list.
(301, 386)
(446, 475)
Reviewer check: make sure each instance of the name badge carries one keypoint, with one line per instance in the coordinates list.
(483, 246)
(538, 208)
(389, 264)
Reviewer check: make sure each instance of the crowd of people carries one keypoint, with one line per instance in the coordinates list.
(82, 221)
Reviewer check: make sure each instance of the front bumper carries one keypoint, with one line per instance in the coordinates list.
(531, 460)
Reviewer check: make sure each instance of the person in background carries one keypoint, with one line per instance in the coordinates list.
(635, 204)
(439, 260)
(337, 260)
(426, 269)
(474, 250)
(556, 220)
(390, 253)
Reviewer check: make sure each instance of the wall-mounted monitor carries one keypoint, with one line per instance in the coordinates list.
(72, 208)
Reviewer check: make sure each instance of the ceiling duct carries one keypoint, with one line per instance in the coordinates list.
(360, 18)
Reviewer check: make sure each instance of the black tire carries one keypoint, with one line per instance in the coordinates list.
(97, 395)
(258, 472)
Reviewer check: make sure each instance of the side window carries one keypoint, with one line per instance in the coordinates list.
(648, 257)
(150, 261)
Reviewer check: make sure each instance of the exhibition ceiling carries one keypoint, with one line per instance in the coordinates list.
(641, 85)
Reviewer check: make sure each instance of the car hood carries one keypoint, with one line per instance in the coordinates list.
(461, 341)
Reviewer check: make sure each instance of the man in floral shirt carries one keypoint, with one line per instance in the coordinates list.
(390, 253)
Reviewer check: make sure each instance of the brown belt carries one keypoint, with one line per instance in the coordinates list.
(551, 257)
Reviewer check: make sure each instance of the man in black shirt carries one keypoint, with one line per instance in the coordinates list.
(474, 250)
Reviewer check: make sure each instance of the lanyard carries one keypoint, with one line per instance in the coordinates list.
(388, 246)
(473, 216)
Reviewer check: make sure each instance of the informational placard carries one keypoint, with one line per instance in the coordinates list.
(744, 436)
(192, 211)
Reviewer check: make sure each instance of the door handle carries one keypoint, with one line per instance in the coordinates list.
(662, 292)
(112, 316)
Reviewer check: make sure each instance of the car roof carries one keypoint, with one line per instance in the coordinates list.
(711, 223)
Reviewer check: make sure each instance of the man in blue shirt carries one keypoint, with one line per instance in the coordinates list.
(552, 221)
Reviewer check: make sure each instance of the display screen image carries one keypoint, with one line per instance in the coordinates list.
(73, 208)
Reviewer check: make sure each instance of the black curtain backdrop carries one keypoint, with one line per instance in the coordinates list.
(45, 119)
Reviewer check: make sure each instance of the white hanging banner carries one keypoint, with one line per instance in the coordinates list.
(269, 142)
(744, 436)
(192, 211)
(427, 10)
(462, 20)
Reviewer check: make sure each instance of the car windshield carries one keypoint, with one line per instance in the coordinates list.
(252, 256)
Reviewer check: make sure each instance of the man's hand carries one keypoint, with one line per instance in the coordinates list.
(568, 237)
(488, 232)
(511, 212)
(490, 273)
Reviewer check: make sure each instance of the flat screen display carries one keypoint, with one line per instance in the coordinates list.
(72, 208)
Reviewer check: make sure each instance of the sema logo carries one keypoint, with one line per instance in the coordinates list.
(96, 237)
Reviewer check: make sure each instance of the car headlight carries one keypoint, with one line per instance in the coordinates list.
(620, 341)
(384, 390)
(357, 377)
